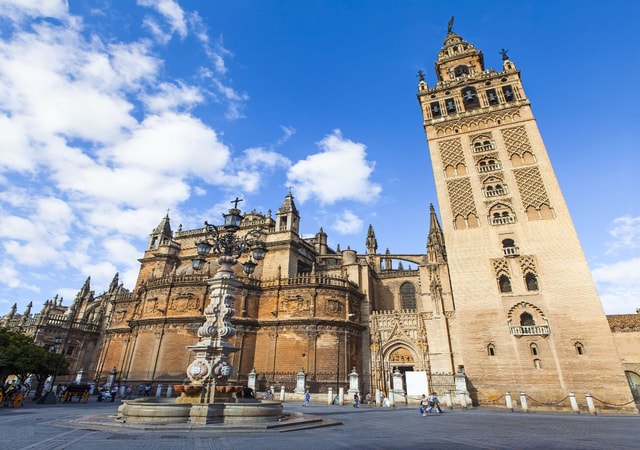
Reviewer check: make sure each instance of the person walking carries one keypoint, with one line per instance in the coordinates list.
(424, 405)
(129, 391)
(147, 390)
(356, 400)
(307, 398)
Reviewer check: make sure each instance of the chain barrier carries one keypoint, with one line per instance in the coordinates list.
(613, 404)
(546, 404)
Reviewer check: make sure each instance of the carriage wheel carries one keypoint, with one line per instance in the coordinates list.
(17, 400)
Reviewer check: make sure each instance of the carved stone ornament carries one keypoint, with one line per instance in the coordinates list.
(198, 370)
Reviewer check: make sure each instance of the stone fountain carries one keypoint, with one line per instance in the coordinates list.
(207, 397)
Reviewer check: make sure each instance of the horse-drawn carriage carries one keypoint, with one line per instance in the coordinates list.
(81, 391)
(12, 395)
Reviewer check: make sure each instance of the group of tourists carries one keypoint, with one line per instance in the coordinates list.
(428, 403)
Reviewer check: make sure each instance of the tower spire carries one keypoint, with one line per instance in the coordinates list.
(372, 243)
(436, 250)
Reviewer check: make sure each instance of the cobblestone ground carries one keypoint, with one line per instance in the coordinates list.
(64, 426)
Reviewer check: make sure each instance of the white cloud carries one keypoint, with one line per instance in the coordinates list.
(347, 223)
(626, 232)
(173, 97)
(339, 172)
(171, 11)
(17, 10)
(619, 286)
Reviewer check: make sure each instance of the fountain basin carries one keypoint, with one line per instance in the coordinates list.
(167, 411)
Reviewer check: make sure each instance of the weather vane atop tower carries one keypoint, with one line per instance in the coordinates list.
(450, 25)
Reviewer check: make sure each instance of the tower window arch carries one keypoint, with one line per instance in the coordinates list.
(526, 320)
(450, 105)
(492, 97)
(470, 98)
(534, 349)
(537, 363)
(482, 144)
(508, 93)
(531, 281)
(491, 350)
(488, 164)
(579, 348)
(505, 284)
(461, 70)
(501, 214)
(408, 296)
(509, 248)
(494, 187)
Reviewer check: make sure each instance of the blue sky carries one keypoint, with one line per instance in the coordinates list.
(113, 112)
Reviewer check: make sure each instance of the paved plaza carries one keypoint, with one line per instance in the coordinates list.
(91, 426)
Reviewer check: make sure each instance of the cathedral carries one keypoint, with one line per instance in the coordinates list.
(500, 300)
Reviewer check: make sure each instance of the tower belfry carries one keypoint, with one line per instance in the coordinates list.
(521, 283)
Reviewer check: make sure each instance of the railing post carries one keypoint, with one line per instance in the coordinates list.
(508, 400)
(590, 405)
(523, 402)
(574, 403)
(330, 396)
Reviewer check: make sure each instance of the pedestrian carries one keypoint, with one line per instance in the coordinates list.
(140, 390)
(424, 404)
(368, 398)
(356, 400)
(434, 402)
(147, 390)
(129, 391)
(114, 392)
(307, 398)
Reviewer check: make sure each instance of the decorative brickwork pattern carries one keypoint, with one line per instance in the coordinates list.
(531, 187)
(451, 152)
(624, 323)
(461, 197)
(501, 267)
(516, 140)
(528, 264)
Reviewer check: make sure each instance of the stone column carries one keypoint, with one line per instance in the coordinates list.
(461, 389)
(574, 403)
(251, 380)
(112, 377)
(301, 382)
(79, 376)
(353, 382)
(523, 402)
(169, 390)
(341, 396)
(330, 396)
(159, 390)
(508, 400)
(590, 405)
(282, 393)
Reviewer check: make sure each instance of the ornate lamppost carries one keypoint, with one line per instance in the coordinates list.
(211, 364)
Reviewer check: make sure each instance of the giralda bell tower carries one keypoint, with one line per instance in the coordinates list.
(527, 314)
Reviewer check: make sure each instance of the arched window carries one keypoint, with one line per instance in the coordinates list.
(492, 96)
(508, 93)
(534, 349)
(526, 320)
(408, 296)
(461, 70)
(505, 283)
(531, 281)
(491, 350)
(579, 348)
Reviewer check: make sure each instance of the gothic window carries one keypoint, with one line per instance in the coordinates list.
(531, 281)
(505, 283)
(435, 109)
(470, 98)
(450, 105)
(534, 349)
(491, 350)
(526, 320)
(492, 96)
(509, 96)
(408, 296)
(579, 348)
(461, 70)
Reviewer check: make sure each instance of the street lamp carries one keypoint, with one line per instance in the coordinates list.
(211, 363)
